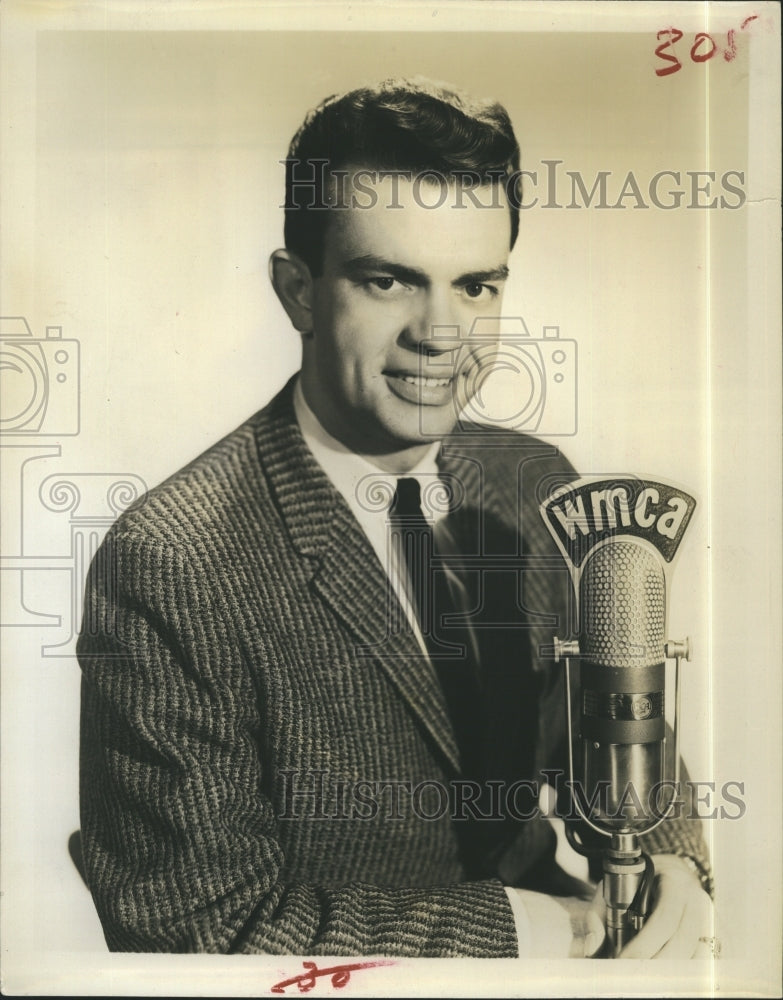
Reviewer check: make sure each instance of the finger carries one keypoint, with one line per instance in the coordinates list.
(695, 925)
(682, 944)
(595, 923)
(663, 924)
(595, 933)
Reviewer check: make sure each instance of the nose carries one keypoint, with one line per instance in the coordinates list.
(435, 327)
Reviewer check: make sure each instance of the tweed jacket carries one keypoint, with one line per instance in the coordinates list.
(247, 703)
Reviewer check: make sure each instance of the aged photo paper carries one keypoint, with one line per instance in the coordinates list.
(142, 194)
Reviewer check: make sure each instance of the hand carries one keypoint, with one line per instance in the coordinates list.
(681, 916)
(563, 926)
(588, 918)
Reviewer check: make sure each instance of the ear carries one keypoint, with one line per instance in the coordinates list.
(293, 284)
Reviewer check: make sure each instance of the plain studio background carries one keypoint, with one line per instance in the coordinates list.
(147, 201)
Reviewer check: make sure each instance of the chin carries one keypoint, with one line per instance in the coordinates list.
(425, 432)
(402, 425)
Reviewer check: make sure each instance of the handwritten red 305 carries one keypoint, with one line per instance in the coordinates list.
(703, 49)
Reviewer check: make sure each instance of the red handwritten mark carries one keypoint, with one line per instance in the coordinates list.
(340, 974)
(674, 36)
(699, 57)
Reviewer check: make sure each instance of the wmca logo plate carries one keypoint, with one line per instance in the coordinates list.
(587, 512)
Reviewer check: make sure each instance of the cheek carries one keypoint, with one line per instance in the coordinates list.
(479, 355)
(362, 328)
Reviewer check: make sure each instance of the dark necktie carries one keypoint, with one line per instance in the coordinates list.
(439, 597)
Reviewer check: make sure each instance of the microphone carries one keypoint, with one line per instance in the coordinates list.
(623, 679)
(615, 536)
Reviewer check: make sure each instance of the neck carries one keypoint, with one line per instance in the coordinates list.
(398, 462)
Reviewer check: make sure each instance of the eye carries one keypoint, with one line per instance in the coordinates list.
(475, 290)
(385, 286)
(384, 283)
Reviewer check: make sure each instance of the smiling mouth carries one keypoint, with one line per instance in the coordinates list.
(424, 380)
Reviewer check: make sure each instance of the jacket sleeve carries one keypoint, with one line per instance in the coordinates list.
(179, 837)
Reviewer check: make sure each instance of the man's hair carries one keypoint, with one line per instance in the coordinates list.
(400, 125)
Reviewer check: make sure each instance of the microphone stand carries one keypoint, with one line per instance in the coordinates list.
(628, 871)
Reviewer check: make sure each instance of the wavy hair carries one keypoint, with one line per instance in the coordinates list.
(399, 125)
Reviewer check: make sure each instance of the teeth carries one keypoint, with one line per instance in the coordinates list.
(431, 383)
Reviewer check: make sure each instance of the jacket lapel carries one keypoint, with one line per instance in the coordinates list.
(346, 572)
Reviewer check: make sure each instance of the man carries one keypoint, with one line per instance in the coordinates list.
(284, 748)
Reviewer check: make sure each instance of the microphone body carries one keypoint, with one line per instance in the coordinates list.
(623, 677)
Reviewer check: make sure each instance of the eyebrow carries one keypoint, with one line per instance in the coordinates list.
(366, 263)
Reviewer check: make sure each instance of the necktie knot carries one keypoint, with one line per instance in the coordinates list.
(406, 502)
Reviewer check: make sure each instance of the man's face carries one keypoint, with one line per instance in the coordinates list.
(399, 293)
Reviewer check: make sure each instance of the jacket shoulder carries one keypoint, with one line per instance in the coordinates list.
(506, 455)
(215, 491)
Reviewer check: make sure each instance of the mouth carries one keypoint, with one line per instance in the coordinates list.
(422, 390)
(427, 381)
